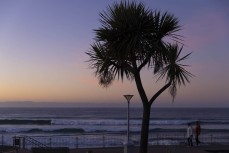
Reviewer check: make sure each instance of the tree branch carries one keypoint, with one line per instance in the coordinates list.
(159, 92)
(140, 88)
(143, 64)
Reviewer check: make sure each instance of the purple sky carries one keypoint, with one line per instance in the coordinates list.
(43, 45)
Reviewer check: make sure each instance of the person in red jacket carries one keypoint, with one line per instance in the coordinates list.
(197, 132)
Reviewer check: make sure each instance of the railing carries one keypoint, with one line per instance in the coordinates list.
(23, 140)
(79, 141)
(103, 140)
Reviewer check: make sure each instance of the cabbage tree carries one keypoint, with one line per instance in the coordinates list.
(131, 38)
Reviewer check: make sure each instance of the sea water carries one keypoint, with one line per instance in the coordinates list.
(74, 121)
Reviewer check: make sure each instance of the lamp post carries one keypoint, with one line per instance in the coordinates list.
(128, 97)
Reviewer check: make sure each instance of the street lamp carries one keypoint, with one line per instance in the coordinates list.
(128, 97)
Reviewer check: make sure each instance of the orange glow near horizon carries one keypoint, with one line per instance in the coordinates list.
(42, 53)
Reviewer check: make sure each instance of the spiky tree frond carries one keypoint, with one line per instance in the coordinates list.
(106, 66)
(174, 71)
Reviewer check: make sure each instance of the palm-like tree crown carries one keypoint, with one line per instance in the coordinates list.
(132, 37)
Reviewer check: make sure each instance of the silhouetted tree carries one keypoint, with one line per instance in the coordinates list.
(131, 38)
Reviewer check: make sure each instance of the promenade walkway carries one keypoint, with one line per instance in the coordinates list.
(154, 149)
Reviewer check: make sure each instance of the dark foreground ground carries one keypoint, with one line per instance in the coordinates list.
(152, 149)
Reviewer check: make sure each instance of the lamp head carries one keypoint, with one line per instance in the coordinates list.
(128, 97)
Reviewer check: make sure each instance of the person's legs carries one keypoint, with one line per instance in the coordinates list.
(188, 140)
(197, 140)
(191, 141)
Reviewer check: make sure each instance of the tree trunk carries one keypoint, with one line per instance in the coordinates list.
(145, 129)
(146, 114)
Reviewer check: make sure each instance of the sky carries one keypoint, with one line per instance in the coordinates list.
(43, 60)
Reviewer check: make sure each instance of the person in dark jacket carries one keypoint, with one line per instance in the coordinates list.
(197, 132)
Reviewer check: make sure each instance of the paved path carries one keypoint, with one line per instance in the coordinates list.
(154, 149)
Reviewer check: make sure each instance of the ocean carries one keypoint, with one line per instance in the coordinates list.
(86, 121)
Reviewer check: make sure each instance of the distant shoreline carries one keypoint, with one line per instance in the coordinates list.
(90, 105)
